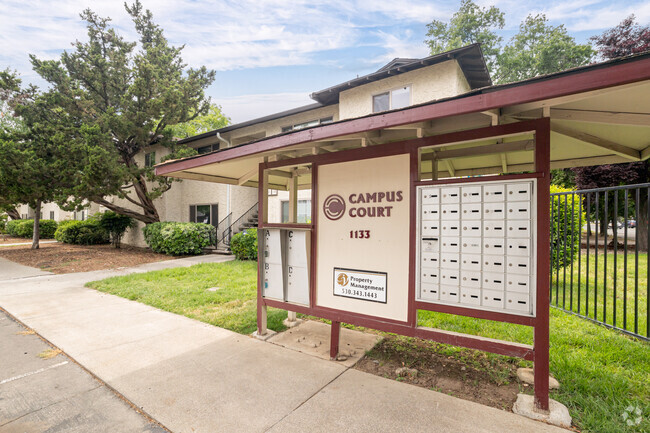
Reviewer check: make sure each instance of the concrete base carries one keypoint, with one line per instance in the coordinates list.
(557, 415)
(291, 323)
(268, 335)
(313, 338)
(527, 375)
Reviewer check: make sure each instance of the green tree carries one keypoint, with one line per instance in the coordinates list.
(539, 49)
(213, 119)
(469, 25)
(128, 94)
(35, 156)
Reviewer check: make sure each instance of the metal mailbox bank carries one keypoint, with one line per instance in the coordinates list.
(440, 207)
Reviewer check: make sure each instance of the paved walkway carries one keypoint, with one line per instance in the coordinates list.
(193, 377)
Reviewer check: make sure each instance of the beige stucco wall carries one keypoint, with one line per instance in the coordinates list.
(427, 84)
(274, 127)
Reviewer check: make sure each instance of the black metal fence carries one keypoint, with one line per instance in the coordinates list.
(600, 266)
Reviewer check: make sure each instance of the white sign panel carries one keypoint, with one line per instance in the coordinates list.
(364, 285)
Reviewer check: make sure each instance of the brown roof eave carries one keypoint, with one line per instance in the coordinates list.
(592, 77)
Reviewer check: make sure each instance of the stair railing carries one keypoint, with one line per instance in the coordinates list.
(222, 227)
(233, 228)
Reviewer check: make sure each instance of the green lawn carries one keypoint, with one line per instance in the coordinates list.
(602, 372)
(185, 291)
(603, 284)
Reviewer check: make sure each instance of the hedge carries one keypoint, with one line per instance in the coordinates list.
(25, 228)
(88, 232)
(175, 239)
(565, 224)
(244, 245)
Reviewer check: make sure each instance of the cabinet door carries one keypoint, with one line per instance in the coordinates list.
(494, 229)
(450, 212)
(494, 264)
(450, 261)
(450, 244)
(493, 299)
(517, 283)
(430, 260)
(450, 194)
(449, 277)
(430, 212)
(470, 262)
(273, 246)
(494, 246)
(430, 195)
(429, 292)
(273, 283)
(493, 281)
(298, 285)
(519, 229)
(519, 265)
(519, 210)
(449, 294)
(430, 276)
(494, 211)
(519, 191)
(472, 246)
(494, 193)
(472, 211)
(518, 302)
(472, 229)
(470, 296)
(518, 247)
(470, 279)
(471, 194)
(430, 228)
(297, 254)
(450, 228)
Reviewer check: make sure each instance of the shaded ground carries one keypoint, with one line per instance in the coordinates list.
(466, 374)
(63, 258)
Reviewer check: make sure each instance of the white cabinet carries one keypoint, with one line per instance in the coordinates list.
(477, 245)
(285, 265)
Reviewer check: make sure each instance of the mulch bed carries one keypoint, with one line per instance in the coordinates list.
(12, 240)
(62, 258)
(470, 375)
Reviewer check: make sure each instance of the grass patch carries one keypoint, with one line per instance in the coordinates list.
(185, 291)
(601, 371)
(606, 293)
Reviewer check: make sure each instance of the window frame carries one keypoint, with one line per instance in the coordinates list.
(150, 161)
(390, 97)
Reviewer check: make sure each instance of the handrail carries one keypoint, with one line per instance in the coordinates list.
(232, 228)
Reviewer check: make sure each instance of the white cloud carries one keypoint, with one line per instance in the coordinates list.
(248, 107)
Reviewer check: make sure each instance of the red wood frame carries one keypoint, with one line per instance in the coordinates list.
(539, 353)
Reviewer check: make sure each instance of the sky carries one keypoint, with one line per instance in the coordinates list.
(269, 55)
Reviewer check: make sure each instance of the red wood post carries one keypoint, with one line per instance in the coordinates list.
(542, 165)
(261, 306)
(334, 340)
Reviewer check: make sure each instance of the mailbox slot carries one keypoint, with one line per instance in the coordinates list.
(430, 196)
(430, 275)
(518, 302)
(430, 260)
(494, 229)
(430, 212)
(471, 262)
(450, 195)
(472, 211)
(450, 228)
(472, 228)
(472, 246)
(493, 281)
(493, 299)
(494, 193)
(471, 194)
(429, 292)
(430, 228)
(519, 247)
(519, 191)
(450, 261)
(471, 279)
(494, 264)
(519, 229)
(519, 265)
(449, 294)
(518, 283)
(451, 244)
(449, 277)
(450, 212)
(519, 210)
(470, 296)
(494, 211)
(494, 246)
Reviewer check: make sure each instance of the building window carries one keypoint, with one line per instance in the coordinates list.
(392, 100)
(150, 159)
(81, 215)
(207, 149)
(204, 213)
(51, 214)
(310, 124)
(304, 211)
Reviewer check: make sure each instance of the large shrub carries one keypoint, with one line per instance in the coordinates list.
(116, 225)
(177, 239)
(88, 232)
(565, 224)
(244, 245)
(25, 228)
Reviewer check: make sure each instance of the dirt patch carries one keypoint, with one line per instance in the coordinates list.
(63, 258)
(464, 373)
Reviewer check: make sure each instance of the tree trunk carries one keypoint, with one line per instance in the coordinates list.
(37, 223)
(13, 213)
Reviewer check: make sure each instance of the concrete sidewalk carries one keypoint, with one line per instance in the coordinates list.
(193, 377)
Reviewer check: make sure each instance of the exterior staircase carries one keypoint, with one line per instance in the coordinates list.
(226, 230)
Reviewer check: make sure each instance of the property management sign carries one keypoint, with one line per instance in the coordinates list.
(363, 236)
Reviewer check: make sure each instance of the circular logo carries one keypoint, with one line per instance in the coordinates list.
(334, 207)
(342, 280)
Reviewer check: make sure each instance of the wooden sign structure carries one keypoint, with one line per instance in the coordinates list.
(387, 239)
